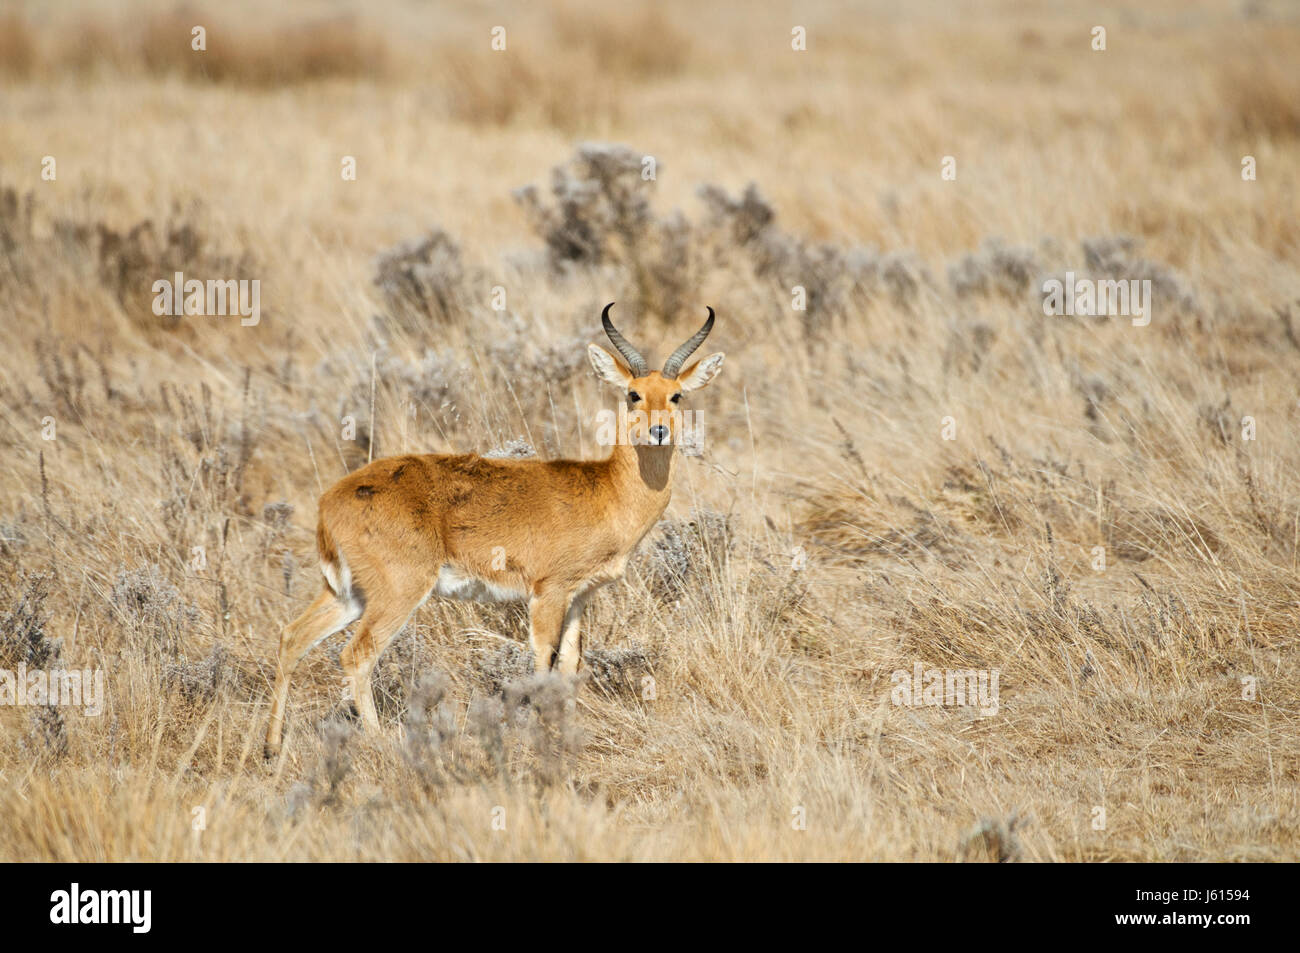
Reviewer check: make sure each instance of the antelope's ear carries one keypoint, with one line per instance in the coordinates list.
(607, 368)
(701, 372)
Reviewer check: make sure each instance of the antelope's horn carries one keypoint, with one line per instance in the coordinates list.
(630, 354)
(673, 366)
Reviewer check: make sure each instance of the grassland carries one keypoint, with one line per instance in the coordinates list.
(1099, 529)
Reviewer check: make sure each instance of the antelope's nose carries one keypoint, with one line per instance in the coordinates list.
(659, 433)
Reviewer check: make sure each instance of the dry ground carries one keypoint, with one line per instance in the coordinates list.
(827, 536)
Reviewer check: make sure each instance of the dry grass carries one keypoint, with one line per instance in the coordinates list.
(827, 535)
(163, 44)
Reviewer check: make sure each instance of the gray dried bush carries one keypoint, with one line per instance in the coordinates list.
(618, 670)
(519, 359)
(335, 763)
(400, 671)
(430, 734)
(197, 682)
(423, 280)
(127, 262)
(429, 717)
(152, 606)
(496, 667)
(542, 708)
(600, 211)
(433, 381)
(600, 214)
(1117, 257)
(687, 553)
(22, 627)
(993, 840)
(834, 277)
(996, 268)
(47, 734)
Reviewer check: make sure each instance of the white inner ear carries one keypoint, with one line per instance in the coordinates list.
(606, 367)
(703, 372)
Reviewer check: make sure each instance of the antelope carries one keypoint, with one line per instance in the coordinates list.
(401, 529)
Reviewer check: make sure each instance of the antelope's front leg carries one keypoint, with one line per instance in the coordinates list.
(571, 638)
(546, 612)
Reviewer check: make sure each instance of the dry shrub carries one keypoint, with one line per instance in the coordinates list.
(542, 710)
(600, 208)
(129, 262)
(423, 281)
(993, 840)
(198, 682)
(122, 263)
(336, 761)
(46, 739)
(525, 731)
(618, 670)
(1116, 257)
(995, 268)
(837, 279)
(153, 608)
(600, 214)
(497, 667)
(598, 220)
(23, 638)
(687, 554)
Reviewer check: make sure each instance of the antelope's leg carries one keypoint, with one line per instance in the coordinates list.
(382, 620)
(546, 612)
(570, 658)
(321, 619)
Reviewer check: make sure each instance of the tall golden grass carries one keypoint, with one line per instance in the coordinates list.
(827, 537)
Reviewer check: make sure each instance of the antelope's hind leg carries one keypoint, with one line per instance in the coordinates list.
(387, 611)
(325, 616)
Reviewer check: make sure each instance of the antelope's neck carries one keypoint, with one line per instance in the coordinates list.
(643, 480)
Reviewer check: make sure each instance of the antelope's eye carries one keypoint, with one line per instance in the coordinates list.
(675, 398)
(633, 396)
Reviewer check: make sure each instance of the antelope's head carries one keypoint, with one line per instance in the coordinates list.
(654, 398)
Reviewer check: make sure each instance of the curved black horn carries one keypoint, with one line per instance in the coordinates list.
(630, 354)
(673, 366)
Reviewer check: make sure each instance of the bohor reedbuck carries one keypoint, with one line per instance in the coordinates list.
(460, 526)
